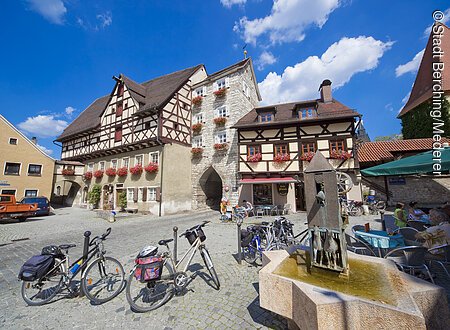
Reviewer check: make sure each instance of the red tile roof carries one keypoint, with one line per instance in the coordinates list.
(385, 150)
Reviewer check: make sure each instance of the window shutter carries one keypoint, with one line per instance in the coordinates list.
(227, 82)
(158, 194)
(204, 90)
(215, 87)
(135, 195)
(144, 194)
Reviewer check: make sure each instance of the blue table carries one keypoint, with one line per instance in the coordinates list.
(380, 239)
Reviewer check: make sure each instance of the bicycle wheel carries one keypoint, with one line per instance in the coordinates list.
(41, 291)
(147, 296)
(249, 254)
(103, 280)
(209, 264)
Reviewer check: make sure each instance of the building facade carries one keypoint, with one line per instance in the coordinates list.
(276, 143)
(27, 171)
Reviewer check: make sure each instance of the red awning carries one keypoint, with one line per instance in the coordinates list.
(268, 180)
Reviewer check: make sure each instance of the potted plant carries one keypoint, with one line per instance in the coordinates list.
(136, 169)
(122, 200)
(197, 152)
(307, 156)
(87, 175)
(254, 158)
(220, 92)
(197, 100)
(94, 195)
(123, 171)
(221, 146)
(68, 172)
(220, 121)
(98, 174)
(281, 158)
(151, 167)
(196, 128)
(111, 171)
(340, 154)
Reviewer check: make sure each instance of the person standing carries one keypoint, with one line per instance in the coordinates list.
(400, 215)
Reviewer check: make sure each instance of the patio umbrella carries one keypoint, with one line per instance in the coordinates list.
(417, 164)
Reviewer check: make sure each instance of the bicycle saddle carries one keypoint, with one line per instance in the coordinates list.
(165, 241)
(67, 246)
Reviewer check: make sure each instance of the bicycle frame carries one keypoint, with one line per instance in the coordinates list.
(190, 252)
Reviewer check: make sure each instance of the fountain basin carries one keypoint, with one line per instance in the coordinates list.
(389, 299)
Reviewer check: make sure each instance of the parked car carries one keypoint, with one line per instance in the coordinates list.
(42, 203)
(9, 208)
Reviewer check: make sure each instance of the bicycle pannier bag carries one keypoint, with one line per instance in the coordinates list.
(192, 236)
(36, 267)
(148, 269)
(246, 237)
(52, 250)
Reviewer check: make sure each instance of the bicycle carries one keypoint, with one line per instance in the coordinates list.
(255, 240)
(375, 206)
(144, 296)
(104, 275)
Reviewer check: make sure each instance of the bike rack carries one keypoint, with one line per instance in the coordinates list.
(175, 243)
(239, 254)
(87, 235)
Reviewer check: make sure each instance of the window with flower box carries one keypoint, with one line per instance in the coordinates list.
(126, 162)
(253, 150)
(198, 118)
(139, 159)
(90, 167)
(114, 163)
(221, 83)
(154, 157)
(221, 137)
(197, 141)
(281, 149)
(221, 111)
(200, 91)
(308, 147)
(337, 145)
(101, 166)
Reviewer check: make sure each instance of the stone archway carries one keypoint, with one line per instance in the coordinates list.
(72, 193)
(211, 185)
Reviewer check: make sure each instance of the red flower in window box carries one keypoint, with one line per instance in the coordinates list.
(220, 146)
(111, 171)
(254, 158)
(136, 170)
(197, 100)
(68, 172)
(87, 175)
(151, 167)
(196, 128)
(98, 174)
(281, 158)
(197, 152)
(220, 121)
(307, 156)
(123, 171)
(340, 154)
(220, 92)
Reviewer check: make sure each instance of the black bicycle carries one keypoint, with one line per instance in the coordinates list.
(101, 281)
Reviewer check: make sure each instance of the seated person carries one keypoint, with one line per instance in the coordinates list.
(400, 215)
(248, 207)
(417, 214)
(437, 216)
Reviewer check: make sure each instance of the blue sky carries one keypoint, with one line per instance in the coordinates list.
(59, 55)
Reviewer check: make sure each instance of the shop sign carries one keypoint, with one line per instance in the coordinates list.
(4, 183)
(397, 181)
(283, 188)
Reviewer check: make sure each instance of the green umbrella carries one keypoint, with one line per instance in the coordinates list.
(417, 164)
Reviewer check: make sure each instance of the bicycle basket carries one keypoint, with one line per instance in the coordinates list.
(192, 236)
(52, 250)
(36, 267)
(148, 269)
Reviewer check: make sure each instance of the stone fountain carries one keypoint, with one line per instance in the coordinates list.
(322, 286)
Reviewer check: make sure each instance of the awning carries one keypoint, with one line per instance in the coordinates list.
(268, 180)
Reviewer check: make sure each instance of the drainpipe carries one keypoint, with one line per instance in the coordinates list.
(161, 162)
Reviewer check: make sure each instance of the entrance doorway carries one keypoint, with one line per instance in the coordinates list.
(300, 196)
(211, 185)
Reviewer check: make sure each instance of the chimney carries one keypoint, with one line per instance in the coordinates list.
(325, 91)
(34, 140)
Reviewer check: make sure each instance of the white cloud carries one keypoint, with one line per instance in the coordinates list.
(44, 149)
(43, 126)
(339, 63)
(287, 21)
(389, 107)
(412, 66)
(105, 19)
(446, 19)
(51, 10)
(230, 3)
(69, 111)
(266, 58)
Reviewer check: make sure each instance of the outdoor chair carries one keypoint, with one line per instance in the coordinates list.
(409, 236)
(442, 259)
(358, 246)
(259, 212)
(356, 228)
(286, 209)
(274, 210)
(410, 259)
(418, 225)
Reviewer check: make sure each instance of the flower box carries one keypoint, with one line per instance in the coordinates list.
(87, 175)
(197, 152)
(220, 92)
(281, 158)
(220, 146)
(98, 174)
(220, 121)
(151, 168)
(111, 171)
(196, 128)
(340, 154)
(123, 171)
(254, 158)
(68, 172)
(197, 100)
(307, 156)
(136, 170)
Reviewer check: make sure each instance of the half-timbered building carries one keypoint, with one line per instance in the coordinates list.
(276, 143)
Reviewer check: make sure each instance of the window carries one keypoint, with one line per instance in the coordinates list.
(8, 192)
(253, 150)
(266, 117)
(200, 91)
(245, 89)
(306, 113)
(154, 157)
(138, 160)
(337, 145)
(126, 162)
(118, 134)
(221, 83)
(119, 109)
(13, 141)
(12, 169)
(222, 111)
(31, 193)
(198, 118)
(151, 194)
(308, 147)
(101, 166)
(34, 169)
(114, 163)
(90, 167)
(58, 191)
(130, 194)
(221, 137)
(120, 90)
(281, 149)
(197, 141)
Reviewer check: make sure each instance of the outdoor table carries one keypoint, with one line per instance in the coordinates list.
(380, 239)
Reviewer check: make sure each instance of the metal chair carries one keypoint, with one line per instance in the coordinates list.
(358, 246)
(286, 208)
(409, 236)
(442, 259)
(410, 259)
(274, 210)
(259, 212)
(418, 225)
(356, 228)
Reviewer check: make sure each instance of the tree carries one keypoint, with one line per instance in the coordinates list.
(94, 195)
(123, 199)
(392, 137)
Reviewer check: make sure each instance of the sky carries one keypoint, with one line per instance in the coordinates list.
(58, 56)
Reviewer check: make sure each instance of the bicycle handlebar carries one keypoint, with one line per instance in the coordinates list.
(102, 237)
(196, 227)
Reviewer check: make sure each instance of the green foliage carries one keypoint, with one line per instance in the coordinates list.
(123, 199)
(94, 194)
(418, 123)
(392, 137)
